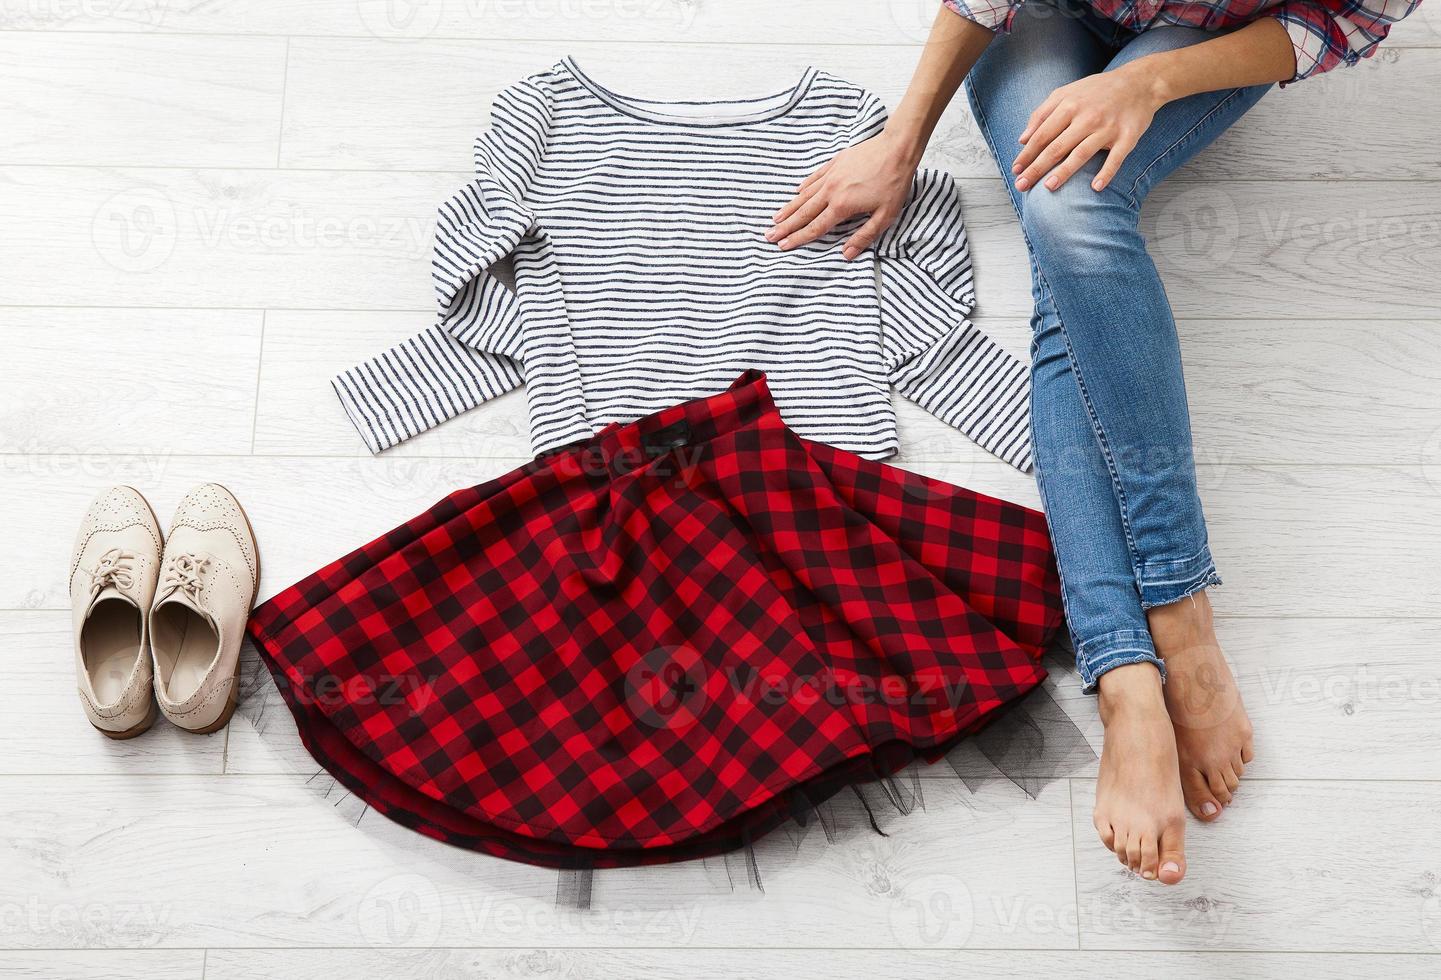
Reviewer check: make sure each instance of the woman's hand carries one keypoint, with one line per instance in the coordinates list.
(1107, 112)
(872, 178)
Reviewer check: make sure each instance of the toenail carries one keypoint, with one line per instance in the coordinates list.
(1208, 808)
(1148, 875)
(1171, 866)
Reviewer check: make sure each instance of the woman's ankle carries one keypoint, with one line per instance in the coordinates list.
(1130, 686)
(1184, 622)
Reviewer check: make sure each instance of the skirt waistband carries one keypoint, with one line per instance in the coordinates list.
(624, 447)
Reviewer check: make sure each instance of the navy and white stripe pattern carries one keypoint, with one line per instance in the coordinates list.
(642, 278)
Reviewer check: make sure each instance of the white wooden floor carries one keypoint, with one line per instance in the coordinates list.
(206, 208)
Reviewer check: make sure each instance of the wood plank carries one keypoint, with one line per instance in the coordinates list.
(1289, 539)
(894, 22)
(1335, 392)
(305, 512)
(292, 865)
(1372, 517)
(148, 382)
(726, 964)
(222, 238)
(1330, 866)
(44, 731)
(1363, 392)
(299, 414)
(1329, 698)
(331, 240)
(137, 100)
(369, 103)
(108, 964)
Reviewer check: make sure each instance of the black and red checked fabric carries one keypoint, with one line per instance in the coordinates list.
(663, 642)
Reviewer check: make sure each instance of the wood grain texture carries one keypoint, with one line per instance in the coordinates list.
(1308, 866)
(128, 381)
(43, 730)
(328, 240)
(726, 964)
(109, 964)
(141, 101)
(821, 23)
(372, 104)
(211, 207)
(296, 868)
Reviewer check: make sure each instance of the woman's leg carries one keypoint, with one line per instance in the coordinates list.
(1111, 429)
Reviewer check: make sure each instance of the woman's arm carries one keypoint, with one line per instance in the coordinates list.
(874, 177)
(1111, 110)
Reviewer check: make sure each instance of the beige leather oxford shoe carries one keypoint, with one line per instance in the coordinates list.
(208, 579)
(113, 571)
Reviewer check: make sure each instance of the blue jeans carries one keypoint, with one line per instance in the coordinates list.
(1110, 424)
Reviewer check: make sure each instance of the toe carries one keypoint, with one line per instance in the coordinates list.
(1134, 844)
(1173, 853)
(1248, 752)
(1106, 832)
(1219, 789)
(1150, 856)
(1199, 798)
(1231, 778)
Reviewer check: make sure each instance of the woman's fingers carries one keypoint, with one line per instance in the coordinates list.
(865, 236)
(1054, 125)
(819, 225)
(1056, 150)
(1038, 116)
(804, 191)
(1114, 158)
(798, 218)
(810, 181)
(1077, 158)
(794, 204)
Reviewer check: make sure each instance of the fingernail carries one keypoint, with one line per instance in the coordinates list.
(1171, 866)
(784, 242)
(771, 235)
(1022, 183)
(1095, 185)
(1052, 184)
(848, 254)
(1015, 168)
(1208, 808)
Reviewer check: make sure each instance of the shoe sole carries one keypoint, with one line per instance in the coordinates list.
(144, 725)
(234, 699)
(138, 729)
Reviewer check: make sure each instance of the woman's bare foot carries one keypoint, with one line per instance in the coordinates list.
(1139, 811)
(1213, 733)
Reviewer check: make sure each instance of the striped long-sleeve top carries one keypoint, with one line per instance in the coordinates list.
(642, 277)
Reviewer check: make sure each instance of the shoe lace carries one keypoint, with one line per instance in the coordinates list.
(116, 568)
(182, 573)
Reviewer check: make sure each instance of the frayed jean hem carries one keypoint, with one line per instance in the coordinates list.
(1165, 582)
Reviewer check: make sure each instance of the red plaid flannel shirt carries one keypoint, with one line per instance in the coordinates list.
(1324, 33)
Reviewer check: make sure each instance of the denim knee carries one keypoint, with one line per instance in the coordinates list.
(1078, 229)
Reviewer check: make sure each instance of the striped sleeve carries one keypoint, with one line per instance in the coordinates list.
(933, 354)
(473, 352)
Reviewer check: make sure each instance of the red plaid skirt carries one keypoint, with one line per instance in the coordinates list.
(663, 642)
